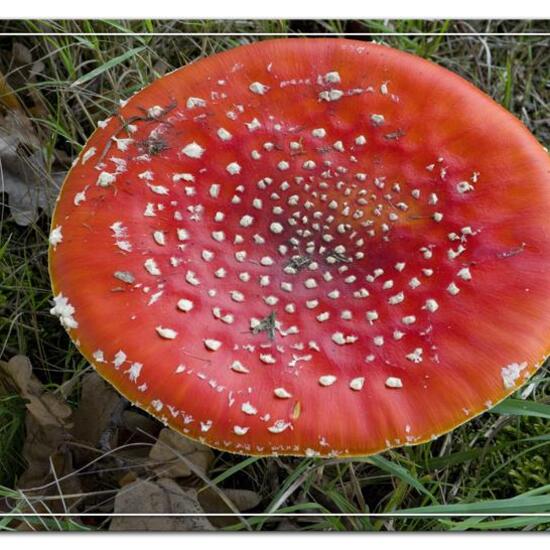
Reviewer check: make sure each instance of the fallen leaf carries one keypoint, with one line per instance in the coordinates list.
(164, 496)
(98, 402)
(8, 99)
(46, 408)
(23, 172)
(48, 457)
(243, 500)
(176, 455)
(138, 427)
(212, 502)
(21, 54)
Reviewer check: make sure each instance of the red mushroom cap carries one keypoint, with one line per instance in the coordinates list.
(319, 247)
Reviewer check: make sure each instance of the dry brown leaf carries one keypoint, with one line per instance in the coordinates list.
(138, 427)
(243, 500)
(24, 176)
(97, 404)
(160, 497)
(23, 172)
(45, 449)
(8, 99)
(21, 54)
(173, 452)
(212, 502)
(46, 408)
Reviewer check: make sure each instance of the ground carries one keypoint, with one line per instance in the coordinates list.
(53, 90)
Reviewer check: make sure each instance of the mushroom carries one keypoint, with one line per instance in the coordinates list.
(310, 247)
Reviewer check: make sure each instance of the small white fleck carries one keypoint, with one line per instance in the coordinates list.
(397, 298)
(464, 187)
(207, 255)
(88, 154)
(246, 221)
(183, 176)
(152, 267)
(80, 197)
(258, 88)
(310, 283)
(327, 380)
(372, 316)
(98, 356)
(233, 168)
(253, 125)
(511, 373)
(237, 366)
(465, 274)
(378, 340)
(134, 371)
(183, 234)
(414, 282)
(205, 426)
(105, 179)
(357, 383)
(158, 189)
(248, 408)
(393, 382)
(332, 77)
(185, 305)
(415, 356)
(212, 345)
(319, 132)
(149, 210)
(215, 190)
(223, 134)
(431, 305)
(453, 289)
(155, 112)
(276, 228)
(191, 278)
(331, 95)
(341, 340)
(237, 296)
(279, 426)
(193, 102)
(159, 237)
(281, 393)
(193, 150)
(240, 430)
(120, 358)
(167, 333)
(55, 236)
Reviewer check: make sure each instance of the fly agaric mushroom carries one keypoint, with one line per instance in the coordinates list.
(308, 247)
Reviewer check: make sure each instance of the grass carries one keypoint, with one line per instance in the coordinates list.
(496, 464)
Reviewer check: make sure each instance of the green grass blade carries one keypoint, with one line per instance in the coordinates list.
(519, 407)
(398, 471)
(234, 469)
(107, 65)
(521, 504)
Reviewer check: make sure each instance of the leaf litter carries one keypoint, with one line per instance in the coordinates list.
(25, 175)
